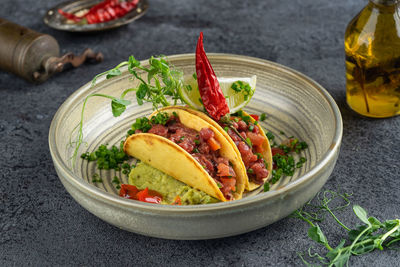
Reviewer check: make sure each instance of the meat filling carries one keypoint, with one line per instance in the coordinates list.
(252, 156)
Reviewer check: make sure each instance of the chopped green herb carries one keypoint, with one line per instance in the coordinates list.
(89, 156)
(96, 178)
(262, 117)
(142, 124)
(300, 146)
(301, 162)
(270, 136)
(282, 132)
(266, 187)
(194, 76)
(246, 119)
(188, 87)
(160, 118)
(226, 129)
(116, 180)
(250, 170)
(242, 87)
(251, 127)
(195, 150)
(110, 158)
(197, 142)
(126, 166)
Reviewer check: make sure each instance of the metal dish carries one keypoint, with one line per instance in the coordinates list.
(54, 20)
(294, 104)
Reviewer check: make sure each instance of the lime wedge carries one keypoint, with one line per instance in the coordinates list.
(237, 91)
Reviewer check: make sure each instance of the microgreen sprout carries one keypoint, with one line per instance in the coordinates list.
(162, 81)
(363, 239)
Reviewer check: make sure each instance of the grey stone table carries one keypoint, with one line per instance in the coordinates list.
(41, 225)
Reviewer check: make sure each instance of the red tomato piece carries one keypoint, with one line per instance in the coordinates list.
(256, 139)
(177, 201)
(228, 184)
(213, 144)
(277, 150)
(128, 191)
(223, 169)
(254, 116)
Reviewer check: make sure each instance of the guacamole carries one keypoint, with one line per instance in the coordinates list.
(143, 176)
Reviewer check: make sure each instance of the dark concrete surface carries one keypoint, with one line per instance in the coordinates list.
(41, 225)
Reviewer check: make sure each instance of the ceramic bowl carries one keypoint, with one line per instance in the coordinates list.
(295, 106)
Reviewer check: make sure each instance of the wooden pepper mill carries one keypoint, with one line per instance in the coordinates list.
(35, 56)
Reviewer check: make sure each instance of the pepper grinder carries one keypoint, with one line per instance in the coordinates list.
(35, 56)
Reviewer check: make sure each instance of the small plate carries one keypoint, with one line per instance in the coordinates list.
(294, 104)
(55, 20)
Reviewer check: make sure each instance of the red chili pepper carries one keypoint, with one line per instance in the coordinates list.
(254, 116)
(211, 94)
(146, 195)
(104, 11)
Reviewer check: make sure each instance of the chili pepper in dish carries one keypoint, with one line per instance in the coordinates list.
(103, 11)
(211, 94)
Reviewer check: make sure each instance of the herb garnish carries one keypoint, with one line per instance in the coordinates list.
(243, 87)
(162, 81)
(284, 163)
(270, 136)
(373, 234)
(107, 159)
(96, 178)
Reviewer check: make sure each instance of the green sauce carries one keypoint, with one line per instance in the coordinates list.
(143, 176)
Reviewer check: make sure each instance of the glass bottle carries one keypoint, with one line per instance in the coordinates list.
(372, 46)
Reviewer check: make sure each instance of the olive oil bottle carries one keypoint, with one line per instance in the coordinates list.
(372, 46)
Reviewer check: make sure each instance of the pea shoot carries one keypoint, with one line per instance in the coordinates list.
(371, 235)
(163, 81)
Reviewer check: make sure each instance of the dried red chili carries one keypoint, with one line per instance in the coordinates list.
(211, 94)
(104, 11)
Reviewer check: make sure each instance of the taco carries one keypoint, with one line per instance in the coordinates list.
(257, 158)
(190, 150)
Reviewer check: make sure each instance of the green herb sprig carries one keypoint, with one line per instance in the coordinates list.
(162, 81)
(362, 239)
